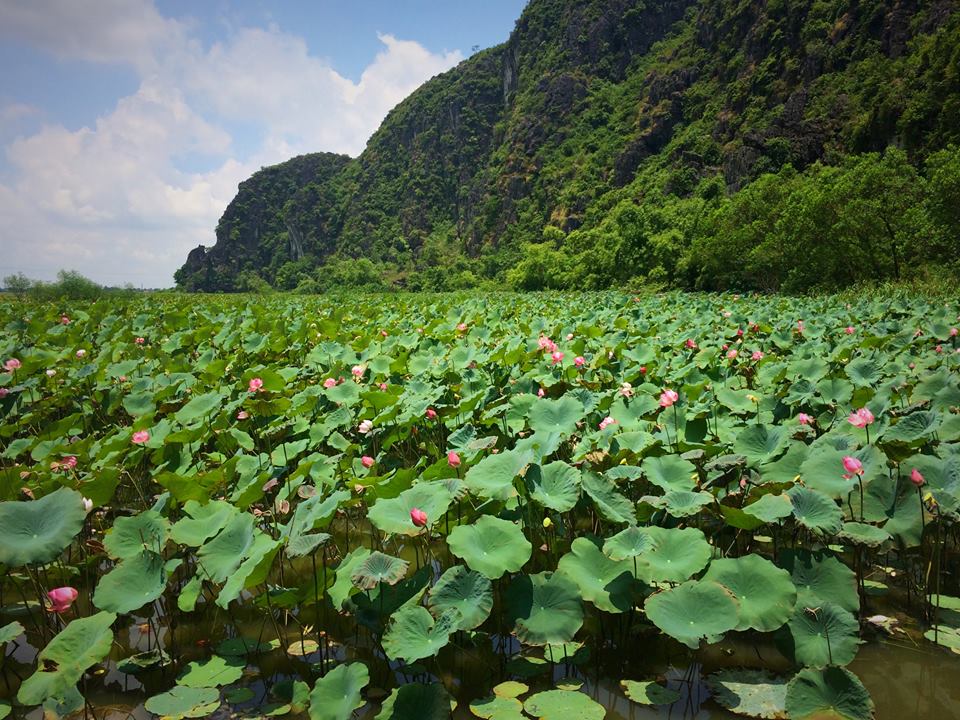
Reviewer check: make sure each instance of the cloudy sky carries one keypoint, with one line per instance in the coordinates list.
(126, 125)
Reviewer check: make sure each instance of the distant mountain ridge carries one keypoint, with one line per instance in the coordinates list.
(617, 141)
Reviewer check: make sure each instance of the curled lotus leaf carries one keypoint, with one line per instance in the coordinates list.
(379, 568)
(606, 583)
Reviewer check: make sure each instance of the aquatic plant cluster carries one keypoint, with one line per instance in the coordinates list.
(376, 484)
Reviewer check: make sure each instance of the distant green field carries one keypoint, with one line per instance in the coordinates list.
(311, 506)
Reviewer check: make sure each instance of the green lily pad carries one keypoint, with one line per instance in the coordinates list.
(609, 501)
(184, 702)
(202, 523)
(493, 476)
(336, 695)
(863, 534)
(754, 693)
(144, 661)
(670, 472)
(761, 443)
(833, 693)
(511, 689)
(680, 503)
(545, 608)
(555, 416)
(649, 692)
(416, 701)
(220, 557)
(606, 583)
(212, 673)
(10, 632)
(467, 591)
(377, 568)
(134, 582)
(765, 593)
(490, 546)
(555, 486)
(37, 531)
(563, 705)
(415, 634)
(770, 508)
(694, 611)
(497, 707)
(825, 635)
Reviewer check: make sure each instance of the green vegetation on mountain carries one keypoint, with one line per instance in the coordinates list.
(773, 144)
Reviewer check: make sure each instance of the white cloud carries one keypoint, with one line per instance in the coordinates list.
(111, 200)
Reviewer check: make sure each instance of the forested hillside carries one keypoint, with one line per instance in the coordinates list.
(778, 144)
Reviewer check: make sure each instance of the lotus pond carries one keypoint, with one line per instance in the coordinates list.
(516, 506)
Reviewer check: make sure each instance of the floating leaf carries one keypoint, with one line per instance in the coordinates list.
(416, 701)
(184, 702)
(497, 707)
(213, 672)
(563, 705)
(754, 693)
(649, 693)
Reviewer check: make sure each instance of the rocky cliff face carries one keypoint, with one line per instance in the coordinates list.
(588, 103)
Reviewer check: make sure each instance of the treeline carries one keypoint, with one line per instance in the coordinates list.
(69, 285)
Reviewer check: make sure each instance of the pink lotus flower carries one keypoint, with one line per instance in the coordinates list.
(367, 461)
(731, 354)
(852, 466)
(255, 384)
(242, 415)
(69, 462)
(578, 361)
(329, 383)
(541, 393)
(939, 348)
(4, 392)
(668, 397)
(357, 371)
(11, 365)
(383, 387)
(626, 389)
(64, 320)
(283, 507)
(569, 337)
(81, 353)
(739, 332)
(453, 460)
(916, 478)
(800, 326)
(365, 427)
(757, 355)
(953, 332)
(418, 517)
(861, 418)
(462, 327)
(431, 414)
(270, 484)
(556, 357)
(691, 345)
(383, 333)
(849, 330)
(140, 341)
(607, 422)
(140, 437)
(804, 419)
(51, 372)
(87, 504)
(643, 369)
(546, 343)
(61, 599)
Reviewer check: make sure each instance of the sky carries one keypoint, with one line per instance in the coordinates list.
(126, 125)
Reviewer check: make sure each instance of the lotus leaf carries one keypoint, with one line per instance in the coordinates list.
(417, 701)
(336, 695)
(545, 608)
(649, 692)
(377, 568)
(555, 486)
(765, 593)
(393, 515)
(184, 702)
(497, 707)
(821, 578)
(212, 673)
(606, 583)
(609, 501)
(465, 590)
(133, 583)
(628, 543)
(204, 522)
(37, 531)
(563, 705)
(670, 472)
(677, 555)
(754, 693)
(833, 693)
(824, 635)
(415, 634)
(814, 510)
(694, 611)
(490, 546)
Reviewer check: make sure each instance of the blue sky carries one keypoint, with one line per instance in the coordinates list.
(125, 125)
